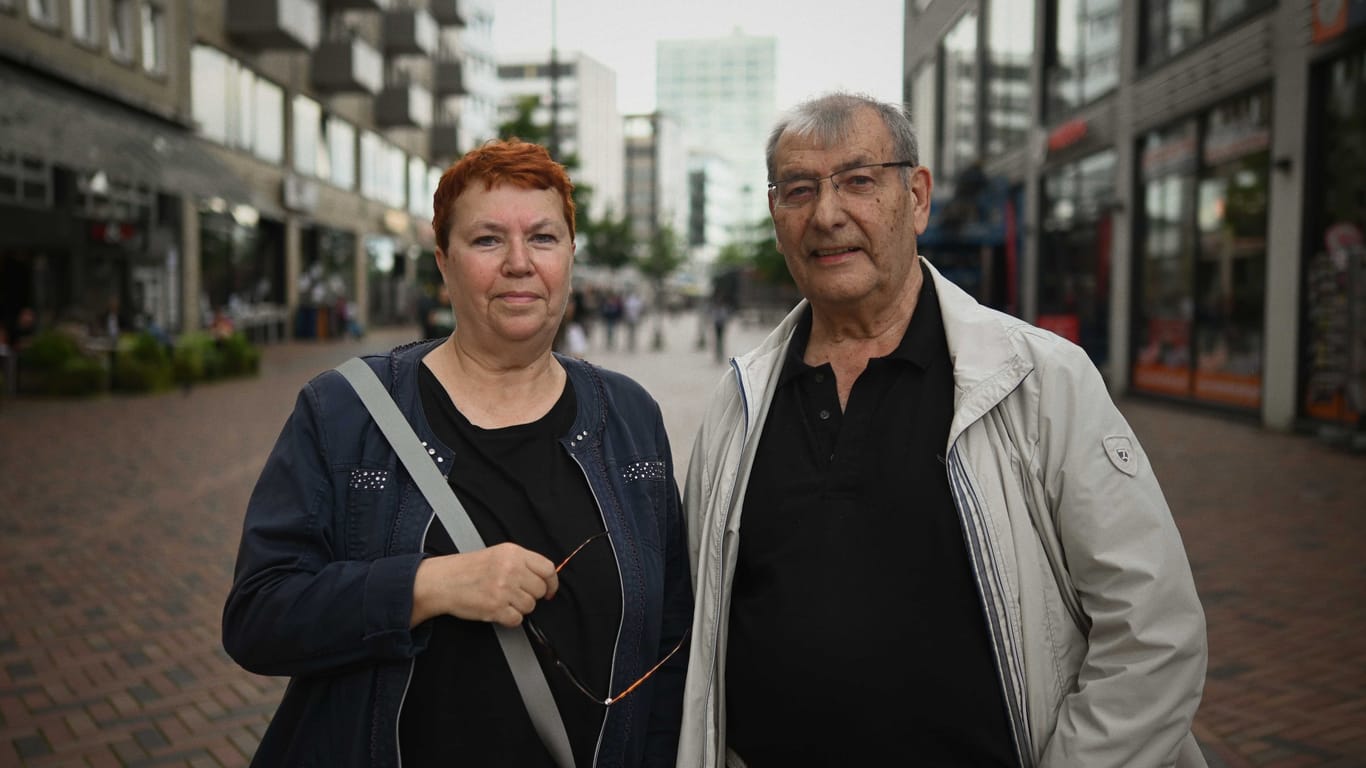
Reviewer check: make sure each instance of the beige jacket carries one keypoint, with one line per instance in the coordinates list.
(1097, 631)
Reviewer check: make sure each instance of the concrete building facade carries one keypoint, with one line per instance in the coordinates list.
(1176, 186)
(265, 160)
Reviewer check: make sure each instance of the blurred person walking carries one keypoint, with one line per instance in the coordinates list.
(921, 531)
(347, 582)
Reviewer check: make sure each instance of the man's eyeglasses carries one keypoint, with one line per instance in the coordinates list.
(859, 181)
(540, 637)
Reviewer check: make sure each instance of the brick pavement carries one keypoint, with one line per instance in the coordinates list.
(119, 519)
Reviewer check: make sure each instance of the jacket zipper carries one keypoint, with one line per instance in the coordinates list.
(398, 718)
(612, 675)
(721, 560)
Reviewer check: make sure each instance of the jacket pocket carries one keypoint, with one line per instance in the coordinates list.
(645, 488)
(367, 487)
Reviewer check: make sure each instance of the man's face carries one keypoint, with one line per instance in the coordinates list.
(844, 250)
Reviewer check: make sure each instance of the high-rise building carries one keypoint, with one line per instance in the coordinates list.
(723, 92)
(589, 125)
(656, 176)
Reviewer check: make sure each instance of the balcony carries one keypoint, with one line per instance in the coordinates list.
(445, 142)
(403, 105)
(446, 12)
(359, 5)
(348, 65)
(448, 78)
(410, 31)
(292, 25)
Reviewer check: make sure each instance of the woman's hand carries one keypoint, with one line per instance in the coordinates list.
(499, 584)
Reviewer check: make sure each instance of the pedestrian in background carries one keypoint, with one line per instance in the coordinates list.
(346, 582)
(921, 531)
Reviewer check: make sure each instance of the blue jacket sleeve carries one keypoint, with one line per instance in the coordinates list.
(296, 606)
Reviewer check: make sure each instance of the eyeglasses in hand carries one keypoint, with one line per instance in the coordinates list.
(859, 181)
(540, 637)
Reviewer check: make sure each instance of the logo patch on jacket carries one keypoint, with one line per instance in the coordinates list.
(1121, 451)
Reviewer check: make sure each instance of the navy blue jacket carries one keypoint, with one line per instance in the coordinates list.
(323, 588)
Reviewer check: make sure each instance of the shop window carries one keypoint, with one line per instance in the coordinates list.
(1166, 252)
(1202, 250)
(1333, 368)
(153, 38)
(1074, 266)
(25, 180)
(8, 6)
(121, 30)
(1081, 60)
(1010, 51)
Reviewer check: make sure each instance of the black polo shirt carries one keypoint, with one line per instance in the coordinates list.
(856, 629)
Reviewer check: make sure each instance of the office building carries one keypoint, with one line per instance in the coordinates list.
(656, 177)
(1154, 181)
(722, 92)
(589, 125)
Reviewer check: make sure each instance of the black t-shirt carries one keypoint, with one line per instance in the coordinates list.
(856, 631)
(518, 484)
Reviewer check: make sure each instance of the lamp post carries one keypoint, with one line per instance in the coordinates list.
(554, 85)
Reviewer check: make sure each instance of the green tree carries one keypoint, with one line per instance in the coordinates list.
(757, 250)
(609, 241)
(660, 259)
(523, 126)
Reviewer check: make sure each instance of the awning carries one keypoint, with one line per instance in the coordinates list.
(71, 128)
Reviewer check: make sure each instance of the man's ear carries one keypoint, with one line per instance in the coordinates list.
(922, 186)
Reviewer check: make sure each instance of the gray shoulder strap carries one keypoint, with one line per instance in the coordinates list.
(526, 671)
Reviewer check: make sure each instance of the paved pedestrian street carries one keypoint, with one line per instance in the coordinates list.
(119, 520)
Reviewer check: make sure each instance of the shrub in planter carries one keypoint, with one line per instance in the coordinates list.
(195, 358)
(53, 364)
(77, 375)
(142, 364)
(240, 358)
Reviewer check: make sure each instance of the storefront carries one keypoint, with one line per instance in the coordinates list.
(1074, 252)
(1333, 299)
(327, 282)
(1202, 261)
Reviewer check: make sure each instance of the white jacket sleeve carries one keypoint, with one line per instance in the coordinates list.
(1141, 680)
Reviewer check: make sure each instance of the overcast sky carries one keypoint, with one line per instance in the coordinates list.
(822, 44)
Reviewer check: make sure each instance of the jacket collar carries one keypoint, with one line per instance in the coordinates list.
(986, 363)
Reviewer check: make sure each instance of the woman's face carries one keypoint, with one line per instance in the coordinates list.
(507, 263)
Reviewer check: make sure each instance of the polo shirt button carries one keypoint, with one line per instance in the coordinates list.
(820, 377)
(824, 414)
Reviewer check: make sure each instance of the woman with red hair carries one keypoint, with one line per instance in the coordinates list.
(348, 583)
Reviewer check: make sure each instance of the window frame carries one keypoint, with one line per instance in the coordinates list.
(1149, 58)
(152, 17)
(122, 19)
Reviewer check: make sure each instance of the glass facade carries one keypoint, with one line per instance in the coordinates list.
(1202, 255)
(960, 98)
(1333, 367)
(1082, 60)
(1074, 253)
(1172, 26)
(1010, 49)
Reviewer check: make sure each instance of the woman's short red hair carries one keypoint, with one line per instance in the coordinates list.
(513, 162)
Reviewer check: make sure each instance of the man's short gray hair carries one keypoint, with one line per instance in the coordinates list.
(826, 119)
